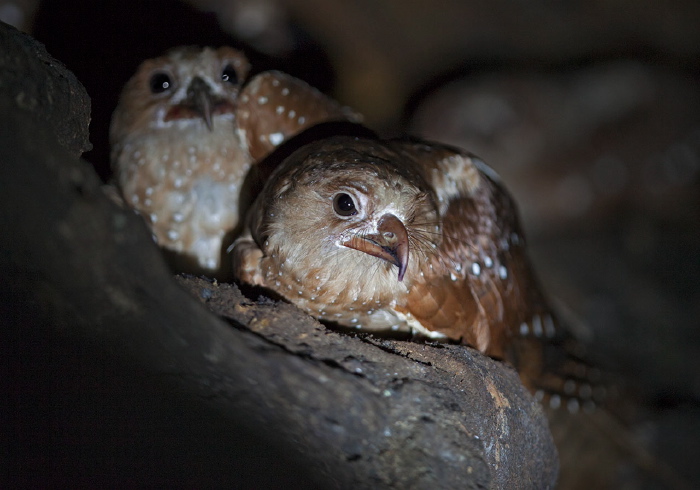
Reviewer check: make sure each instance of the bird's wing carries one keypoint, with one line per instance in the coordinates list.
(274, 106)
(478, 285)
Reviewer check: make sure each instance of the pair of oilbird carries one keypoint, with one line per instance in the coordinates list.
(380, 235)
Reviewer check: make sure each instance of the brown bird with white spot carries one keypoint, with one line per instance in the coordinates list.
(186, 131)
(407, 236)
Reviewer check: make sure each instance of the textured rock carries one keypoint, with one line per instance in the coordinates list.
(33, 81)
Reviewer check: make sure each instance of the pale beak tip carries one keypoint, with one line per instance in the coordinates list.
(402, 271)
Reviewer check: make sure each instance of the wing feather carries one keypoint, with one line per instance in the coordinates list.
(275, 106)
(478, 286)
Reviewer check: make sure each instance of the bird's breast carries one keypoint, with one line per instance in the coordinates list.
(343, 291)
(187, 184)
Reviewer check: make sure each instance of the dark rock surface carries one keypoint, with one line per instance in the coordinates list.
(33, 81)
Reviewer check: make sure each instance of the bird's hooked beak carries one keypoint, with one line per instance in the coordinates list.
(390, 243)
(201, 100)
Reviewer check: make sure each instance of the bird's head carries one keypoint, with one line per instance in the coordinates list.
(188, 85)
(347, 206)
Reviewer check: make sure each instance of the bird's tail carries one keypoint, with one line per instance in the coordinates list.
(597, 422)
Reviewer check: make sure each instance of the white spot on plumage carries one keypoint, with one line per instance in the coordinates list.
(476, 268)
(276, 138)
(524, 329)
(537, 326)
(572, 405)
(262, 100)
(503, 272)
(555, 402)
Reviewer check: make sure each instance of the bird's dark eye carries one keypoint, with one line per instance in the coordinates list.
(343, 205)
(160, 82)
(229, 75)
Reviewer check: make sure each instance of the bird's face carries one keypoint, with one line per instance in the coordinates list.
(187, 86)
(355, 215)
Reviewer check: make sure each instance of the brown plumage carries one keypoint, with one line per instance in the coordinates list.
(405, 235)
(188, 128)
